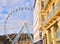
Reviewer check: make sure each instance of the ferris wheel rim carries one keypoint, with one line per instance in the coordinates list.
(5, 23)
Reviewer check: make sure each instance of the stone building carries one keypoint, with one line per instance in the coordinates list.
(24, 39)
(48, 13)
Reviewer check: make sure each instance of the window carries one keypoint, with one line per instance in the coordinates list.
(53, 5)
(42, 4)
(48, 12)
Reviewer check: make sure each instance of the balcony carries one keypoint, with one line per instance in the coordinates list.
(52, 13)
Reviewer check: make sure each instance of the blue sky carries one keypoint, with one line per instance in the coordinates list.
(15, 21)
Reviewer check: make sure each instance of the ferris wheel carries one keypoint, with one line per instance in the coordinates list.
(25, 24)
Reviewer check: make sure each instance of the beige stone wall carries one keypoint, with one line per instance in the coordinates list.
(36, 21)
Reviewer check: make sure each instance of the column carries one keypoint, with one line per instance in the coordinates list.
(54, 34)
(58, 31)
(45, 39)
(58, 23)
(48, 37)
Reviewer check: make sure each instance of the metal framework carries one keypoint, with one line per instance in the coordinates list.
(11, 13)
(18, 35)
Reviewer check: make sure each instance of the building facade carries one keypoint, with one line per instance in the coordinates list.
(23, 39)
(49, 20)
(36, 22)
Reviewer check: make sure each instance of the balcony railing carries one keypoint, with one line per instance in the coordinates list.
(52, 13)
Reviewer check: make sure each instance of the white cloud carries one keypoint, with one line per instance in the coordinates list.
(0, 15)
(2, 3)
(1, 30)
(2, 23)
(1, 26)
(13, 24)
(27, 4)
(18, 24)
(1, 9)
(3, 16)
(9, 3)
(14, 2)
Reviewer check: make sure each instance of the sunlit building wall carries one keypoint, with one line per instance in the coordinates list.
(49, 20)
(36, 21)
